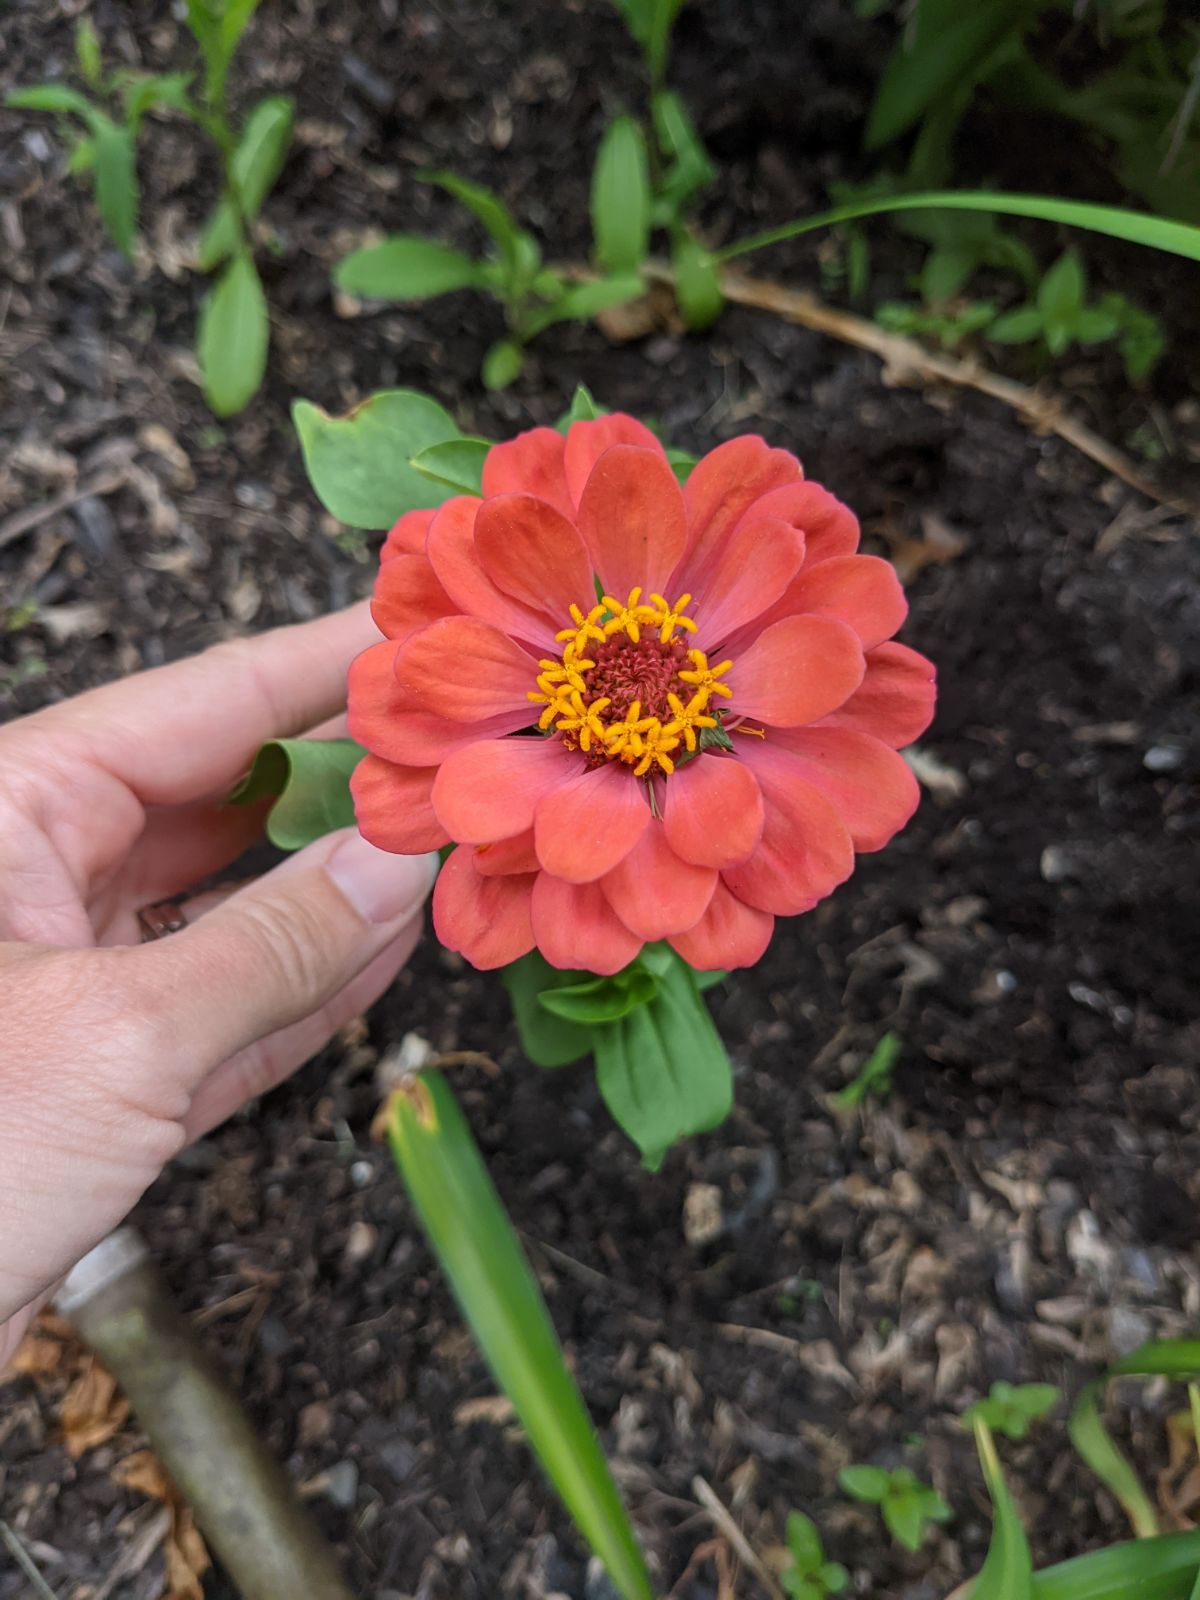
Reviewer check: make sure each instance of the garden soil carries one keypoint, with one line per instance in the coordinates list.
(801, 1289)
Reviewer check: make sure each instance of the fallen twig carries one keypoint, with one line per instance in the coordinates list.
(25, 1561)
(33, 516)
(723, 1520)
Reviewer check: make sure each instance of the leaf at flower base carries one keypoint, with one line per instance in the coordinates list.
(547, 1040)
(310, 781)
(601, 999)
(456, 464)
(582, 409)
(232, 338)
(257, 162)
(498, 1294)
(360, 465)
(682, 462)
(408, 267)
(1007, 1571)
(662, 1070)
(621, 198)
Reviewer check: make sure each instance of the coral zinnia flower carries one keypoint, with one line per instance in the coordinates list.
(642, 712)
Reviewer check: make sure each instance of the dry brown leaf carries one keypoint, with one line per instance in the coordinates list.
(938, 542)
(47, 1350)
(488, 1408)
(186, 1553)
(93, 1409)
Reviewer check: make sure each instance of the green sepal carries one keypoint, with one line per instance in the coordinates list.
(310, 782)
(596, 1000)
(583, 408)
(547, 1040)
(456, 464)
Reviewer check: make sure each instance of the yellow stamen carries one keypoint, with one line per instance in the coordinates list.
(669, 617)
(686, 719)
(702, 676)
(659, 743)
(627, 618)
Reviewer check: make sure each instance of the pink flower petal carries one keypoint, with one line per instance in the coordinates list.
(861, 591)
(724, 484)
(829, 527)
(466, 670)
(584, 827)
(485, 919)
(507, 855)
(749, 573)
(895, 700)
(655, 893)
(730, 934)
(531, 552)
(532, 463)
(805, 850)
(393, 807)
(587, 442)
(575, 927)
(871, 786)
(407, 596)
(712, 811)
(452, 553)
(632, 516)
(419, 739)
(374, 700)
(490, 790)
(795, 671)
(407, 536)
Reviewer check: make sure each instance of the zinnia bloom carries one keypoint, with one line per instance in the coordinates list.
(641, 712)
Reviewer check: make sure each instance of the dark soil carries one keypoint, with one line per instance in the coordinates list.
(1021, 1205)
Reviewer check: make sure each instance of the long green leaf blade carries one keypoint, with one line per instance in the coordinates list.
(1159, 233)
(1164, 1568)
(231, 341)
(621, 198)
(1007, 1571)
(496, 1290)
(115, 172)
(1099, 1450)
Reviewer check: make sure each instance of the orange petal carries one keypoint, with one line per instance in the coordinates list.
(507, 855)
(393, 807)
(795, 671)
(829, 527)
(465, 669)
(575, 927)
(655, 893)
(584, 827)
(872, 787)
(632, 516)
(725, 483)
(729, 934)
(484, 919)
(587, 442)
(713, 811)
(861, 591)
(746, 577)
(407, 596)
(490, 789)
(805, 850)
(532, 463)
(452, 553)
(895, 700)
(531, 552)
(408, 535)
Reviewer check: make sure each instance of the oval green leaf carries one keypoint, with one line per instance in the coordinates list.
(115, 176)
(257, 163)
(499, 1297)
(456, 464)
(360, 465)
(407, 267)
(502, 364)
(697, 281)
(621, 198)
(309, 780)
(231, 342)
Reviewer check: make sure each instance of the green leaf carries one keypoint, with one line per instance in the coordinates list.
(257, 162)
(490, 210)
(1158, 233)
(1017, 327)
(1007, 1571)
(82, 158)
(58, 97)
(662, 1070)
(547, 1040)
(682, 462)
(834, 1577)
(87, 52)
(581, 301)
(455, 464)
(865, 1483)
(596, 999)
(1060, 293)
(874, 1077)
(697, 281)
(141, 91)
(360, 465)
(310, 779)
(690, 169)
(408, 267)
(1010, 1410)
(499, 1297)
(621, 198)
(582, 409)
(1093, 326)
(502, 364)
(115, 177)
(903, 1519)
(232, 338)
(946, 272)
(1096, 1445)
(942, 58)
(217, 27)
(804, 1542)
(1164, 1568)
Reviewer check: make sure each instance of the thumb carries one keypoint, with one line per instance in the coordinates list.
(281, 947)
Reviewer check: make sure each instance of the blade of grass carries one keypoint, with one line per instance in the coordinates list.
(499, 1297)
(1007, 1571)
(1164, 1568)
(1160, 233)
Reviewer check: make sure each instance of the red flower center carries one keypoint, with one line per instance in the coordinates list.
(646, 672)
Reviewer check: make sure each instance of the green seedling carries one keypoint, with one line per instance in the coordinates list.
(907, 1505)
(809, 1576)
(1012, 1409)
(875, 1077)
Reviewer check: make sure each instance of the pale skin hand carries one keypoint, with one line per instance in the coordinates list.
(114, 1054)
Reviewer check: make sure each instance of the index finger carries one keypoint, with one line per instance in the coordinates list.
(189, 730)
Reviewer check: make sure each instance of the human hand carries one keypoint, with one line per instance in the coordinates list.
(113, 1054)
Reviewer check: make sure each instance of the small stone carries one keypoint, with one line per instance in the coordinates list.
(254, 496)
(361, 1173)
(400, 1458)
(1127, 1330)
(703, 1216)
(314, 1423)
(95, 531)
(360, 1241)
(1163, 758)
(341, 1485)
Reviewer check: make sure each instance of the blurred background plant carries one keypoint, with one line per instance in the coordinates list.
(100, 129)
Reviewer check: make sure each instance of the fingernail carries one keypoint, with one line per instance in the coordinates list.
(380, 886)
